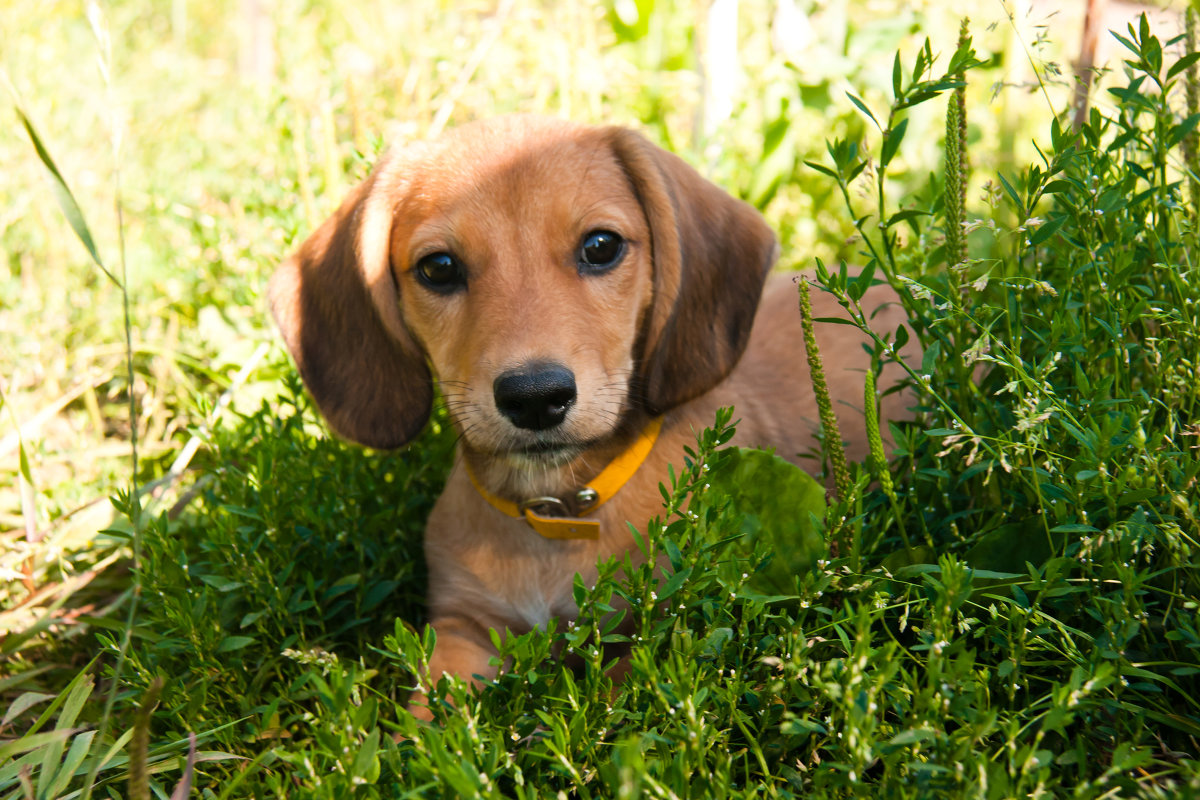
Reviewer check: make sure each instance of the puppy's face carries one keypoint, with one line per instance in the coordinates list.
(553, 275)
(525, 274)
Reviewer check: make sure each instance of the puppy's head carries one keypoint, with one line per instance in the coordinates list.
(554, 277)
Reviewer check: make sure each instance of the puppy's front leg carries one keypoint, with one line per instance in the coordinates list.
(464, 649)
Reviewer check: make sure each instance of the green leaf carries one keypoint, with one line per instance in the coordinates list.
(378, 593)
(912, 736)
(1152, 54)
(230, 643)
(891, 143)
(251, 618)
(1047, 229)
(29, 743)
(858, 287)
(907, 214)
(994, 575)
(80, 746)
(940, 432)
(1180, 132)
(22, 704)
(931, 360)
(822, 169)
(366, 763)
(714, 643)
(1012, 194)
(673, 583)
(80, 691)
(674, 555)
(1182, 64)
(863, 108)
(220, 583)
(801, 726)
(1130, 46)
(66, 200)
(1058, 185)
(774, 499)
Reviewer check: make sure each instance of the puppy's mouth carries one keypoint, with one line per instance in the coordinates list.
(544, 448)
(546, 454)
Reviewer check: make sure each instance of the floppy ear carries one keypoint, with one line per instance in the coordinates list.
(336, 304)
(711, 256)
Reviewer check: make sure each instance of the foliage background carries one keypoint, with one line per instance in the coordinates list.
(271, 586)
(223, 167)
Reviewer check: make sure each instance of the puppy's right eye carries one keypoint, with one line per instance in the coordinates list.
(600, 251)
(441, 273)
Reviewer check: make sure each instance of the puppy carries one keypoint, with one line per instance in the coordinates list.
(586, 301)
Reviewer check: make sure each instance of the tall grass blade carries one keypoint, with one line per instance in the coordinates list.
(74, 758)
(28, 743)
(1191, 142)
(75, 699)
(66, 200)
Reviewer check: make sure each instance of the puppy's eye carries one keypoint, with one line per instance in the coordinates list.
(600, 251)
(442, 273)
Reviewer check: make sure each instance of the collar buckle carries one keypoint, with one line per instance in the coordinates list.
(548, 506)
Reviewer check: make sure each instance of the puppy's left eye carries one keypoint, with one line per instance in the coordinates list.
(600, 251)
(441, 273)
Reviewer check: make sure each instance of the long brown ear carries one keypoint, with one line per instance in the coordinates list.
(711, 256)
(335, 302)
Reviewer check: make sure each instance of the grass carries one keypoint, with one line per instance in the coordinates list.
(1010, 607)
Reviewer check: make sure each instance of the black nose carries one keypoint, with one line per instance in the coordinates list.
(537, 397)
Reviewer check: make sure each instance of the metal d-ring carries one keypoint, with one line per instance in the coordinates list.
(553, 502)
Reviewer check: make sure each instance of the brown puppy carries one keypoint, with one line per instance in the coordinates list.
(567, 285)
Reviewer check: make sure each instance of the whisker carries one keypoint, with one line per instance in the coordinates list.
(463, 433)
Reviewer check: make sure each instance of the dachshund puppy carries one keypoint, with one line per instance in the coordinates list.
(586, 301)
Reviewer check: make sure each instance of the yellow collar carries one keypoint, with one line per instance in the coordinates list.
(596, 493)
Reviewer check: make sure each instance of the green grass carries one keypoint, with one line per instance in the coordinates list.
(1010, 608)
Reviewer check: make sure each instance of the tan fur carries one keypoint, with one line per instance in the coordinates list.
(676, 329)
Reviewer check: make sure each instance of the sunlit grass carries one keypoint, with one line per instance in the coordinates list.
(1019, 613)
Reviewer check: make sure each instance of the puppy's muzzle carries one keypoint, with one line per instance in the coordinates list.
(536, 397)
